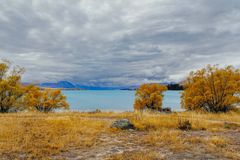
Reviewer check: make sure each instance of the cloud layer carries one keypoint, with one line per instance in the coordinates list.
(118, 42)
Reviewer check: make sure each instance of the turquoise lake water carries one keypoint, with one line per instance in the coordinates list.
(113, 100)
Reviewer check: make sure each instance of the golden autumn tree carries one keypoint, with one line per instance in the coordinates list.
(212, 89)
(11, 90)
(149, 96)
(45, 100)
(14, 96)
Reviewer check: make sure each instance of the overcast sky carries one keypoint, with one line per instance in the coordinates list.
(118, 42)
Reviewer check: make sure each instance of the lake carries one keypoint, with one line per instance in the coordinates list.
(113, 100)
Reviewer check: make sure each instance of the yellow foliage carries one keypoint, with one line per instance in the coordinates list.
(11, 91)
(149, 96)
(45, 100)
(14, 96)
(212, 89)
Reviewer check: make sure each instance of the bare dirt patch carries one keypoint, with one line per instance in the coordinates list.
(198, 146)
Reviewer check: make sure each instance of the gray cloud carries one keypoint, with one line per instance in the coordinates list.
(118, 42)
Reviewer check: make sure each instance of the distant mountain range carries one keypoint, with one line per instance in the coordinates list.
(69, 85)
(60, 84)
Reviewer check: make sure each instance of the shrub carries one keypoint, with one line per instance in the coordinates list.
(45, 100)
(167, 110)
(212, 89)
(149, 96)
(184, 124)
(11, 90)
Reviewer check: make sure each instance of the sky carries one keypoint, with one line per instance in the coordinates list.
(118, 42)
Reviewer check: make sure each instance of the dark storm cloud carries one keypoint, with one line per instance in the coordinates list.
(118, 42)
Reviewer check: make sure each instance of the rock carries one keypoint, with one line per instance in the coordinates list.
(122, 124)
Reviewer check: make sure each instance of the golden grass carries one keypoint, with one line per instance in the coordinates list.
(217, 141)
(195, 140)
(161, 138)
(156, 121)
(153, 121)
(220, 144)
(148, 121)
(137, 155)
(38, 135)
(230, 116)
(43, 135)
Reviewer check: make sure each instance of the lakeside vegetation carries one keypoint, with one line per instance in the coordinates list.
(14, 96)
(212, 89)
(209, 128)
(35, 135)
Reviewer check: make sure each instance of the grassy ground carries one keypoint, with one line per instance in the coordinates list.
(74, 135)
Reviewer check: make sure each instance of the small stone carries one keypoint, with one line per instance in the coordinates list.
(124, 124)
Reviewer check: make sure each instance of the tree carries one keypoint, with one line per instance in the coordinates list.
(14, 96)
(212, 89)
(149, 96)
(45, 100)
(11, 90)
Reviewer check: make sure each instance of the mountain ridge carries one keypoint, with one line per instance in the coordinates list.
(70, 85)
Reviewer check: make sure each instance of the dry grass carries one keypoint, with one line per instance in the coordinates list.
(156, 121)
(161, 138)
(102, 115)
(199, 121)
(43, 135)
(147, 155)
(194, 140)
(219, 144)
(230, 116)
(37, 135)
